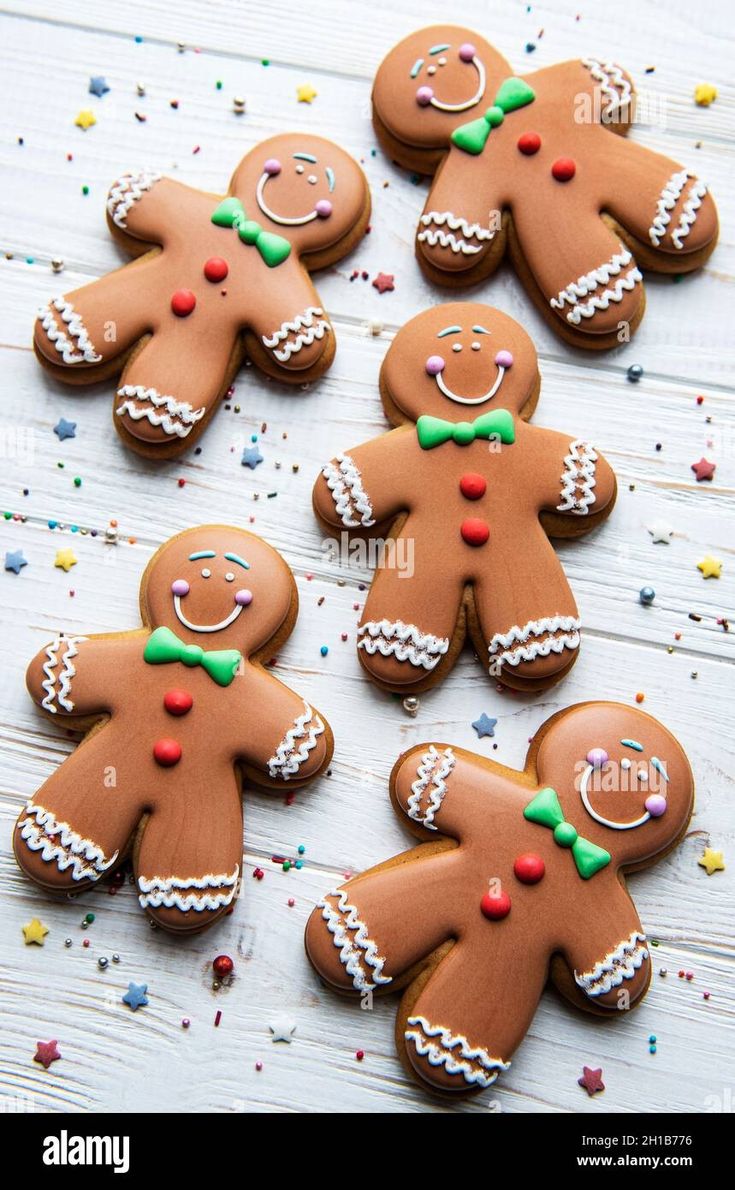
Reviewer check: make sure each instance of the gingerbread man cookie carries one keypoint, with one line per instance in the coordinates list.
(219, 278)
(468, 492)
(531, 164)
(179, 710)
(526, 883)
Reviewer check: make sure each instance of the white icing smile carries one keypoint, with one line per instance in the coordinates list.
(205, 627)
(611, 822)
(471, 400)
(468, 103)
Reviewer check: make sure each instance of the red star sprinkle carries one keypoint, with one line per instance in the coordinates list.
(46, 1053)
(591, 1080)
(703, 469)
(384, 282)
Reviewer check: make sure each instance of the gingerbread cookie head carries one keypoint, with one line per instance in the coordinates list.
(218, 587)
(459, 360)
(302, 187)
(620, 777)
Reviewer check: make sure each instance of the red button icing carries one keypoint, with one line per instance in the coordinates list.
(216, 269)
(529, 143)
(495, 907)
(474, 531)
(167, 752)
(529, 868)
(177, 702)
(563, 169)
(183, 302)
(472, 486)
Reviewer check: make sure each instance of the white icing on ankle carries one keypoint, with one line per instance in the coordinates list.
(434, 767)
(578, 480)
(403, 641)
(350, 498)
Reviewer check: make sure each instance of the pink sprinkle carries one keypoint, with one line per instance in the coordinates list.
(196, 149)
(705, 995)
(690, 976)
(309, 577)
(291, 902)
(86, 942)
(360, 1055)
(258, 1065)
(218, 1018)
(344, 636)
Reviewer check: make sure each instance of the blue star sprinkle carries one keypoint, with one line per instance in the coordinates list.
(251, 456)
(65, 429)
(484, 726)
(136, 995)
(14, 561)
(98, 85)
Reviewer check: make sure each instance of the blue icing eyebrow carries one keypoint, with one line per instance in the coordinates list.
(240, 561)
(480, 330)
(416, 67)
(202, 554)
(659, 767)
(632, 744)
(330, 177)
(305, 157)
(449, 330)
(439, 49)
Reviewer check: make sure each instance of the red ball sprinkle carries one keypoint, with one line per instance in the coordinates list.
(474, 531)
(495, 907)
(360, 1054)
(216, 269)
(529, 868)
(472, 486)
(183, 302)
(259, 1066)
(167, 752)
(529, 143)
(223, 965)
(563, 169)
(178, 702)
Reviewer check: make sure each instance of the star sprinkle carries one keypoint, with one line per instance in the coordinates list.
(282, 1029)
(306, 93)
(136, 996)
(711, 861)
(660, 533)
(15, 561)
(85, 119)
(98, 85)
(46, 1053)
(34, 932)
(703, 469)
(710, 567)
(65, 429)
(384, 282)
(484, 726)
(65, 559)
(251, 457)
(591, 1080)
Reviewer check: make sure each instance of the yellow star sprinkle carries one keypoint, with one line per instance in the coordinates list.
(65, 559)
(710, 567)
(306, 93)
(85, 119)
(711, 861)
(705, 94)
(35, 931)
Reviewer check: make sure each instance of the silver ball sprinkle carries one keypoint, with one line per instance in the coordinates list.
(116, 958)
(662, 971)
(102, 962)
(140, 89)
(238, 105)
(67, 942)
(57, 264)
(411, 705)
(646, 596)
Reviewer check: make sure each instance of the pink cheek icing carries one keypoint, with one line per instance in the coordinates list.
(434, 365)
(272, 166)
(179, 587)
(656, 805)
(323, 208)
(244, 597)
(504, 359)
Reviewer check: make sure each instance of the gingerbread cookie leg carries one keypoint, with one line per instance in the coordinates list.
(289, 335)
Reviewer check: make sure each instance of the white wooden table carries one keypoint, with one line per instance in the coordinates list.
(114, 1059)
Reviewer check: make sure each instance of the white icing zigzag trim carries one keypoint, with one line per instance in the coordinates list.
(667, 201)
(688, 215)
(75, 350)
(588, 283)
(578, 481)
(475, 1064)
(128, 190)
(472, 231)
(289, 756)
(313, 331)
(602, 301)
(613, 82)
(404, 641)
(58, 842)
(164, 891)
(350, 498)
(513, 645)
(621, 963)
(358, 953)
(431, 773)
(178, 418)
(68, 672)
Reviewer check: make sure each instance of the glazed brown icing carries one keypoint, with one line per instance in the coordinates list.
(474, 981)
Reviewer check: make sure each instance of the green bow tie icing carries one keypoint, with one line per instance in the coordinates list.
(274, 249)
(472, 137)
(163, 646)
(433, 431)
(546, 810)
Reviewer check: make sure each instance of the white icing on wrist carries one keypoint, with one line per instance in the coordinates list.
(350, 498)
(175, 418)
(620, 964)
(60, 844)
(433, 234)
(453, 1052)
(296, 745)
(64, 677)
(303, 327)
(405, 642)
(613, 83)
(431, 775)
(76, 347)
(357, 952)
(186, 893)
(667, 201)
(126, 191)
(537, 638)
(588, 284)
(578, 479)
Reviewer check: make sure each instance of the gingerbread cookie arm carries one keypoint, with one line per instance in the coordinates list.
(143, 206)
(462, 229)
(77, 675)
(289, 334)
(365, 486)
(575, 480)
(441, 789)
(605, 951)
(294, 743)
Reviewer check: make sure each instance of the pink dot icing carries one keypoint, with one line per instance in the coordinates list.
(323, 208)
(467, 51)
(244, 597)
(504, 359)
(272, 166)
(656, 805)
(424, 96)
(434, 365)
(597, 757)
(179, 587)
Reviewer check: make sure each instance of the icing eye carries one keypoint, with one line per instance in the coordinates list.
(475, 346)
(625, 762)
(312, 179)
(244, 597)
(431, 69)
(179, 587)
(424, 96)
(229, 577)
(206, 573)
(597, 757)
(656, 805)
(434, 365)
(467, 51)
(323, 208)
(299, 169)
(643, 774)
(441, 61)
(272, 166)
(456, 346)
(504, 359)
